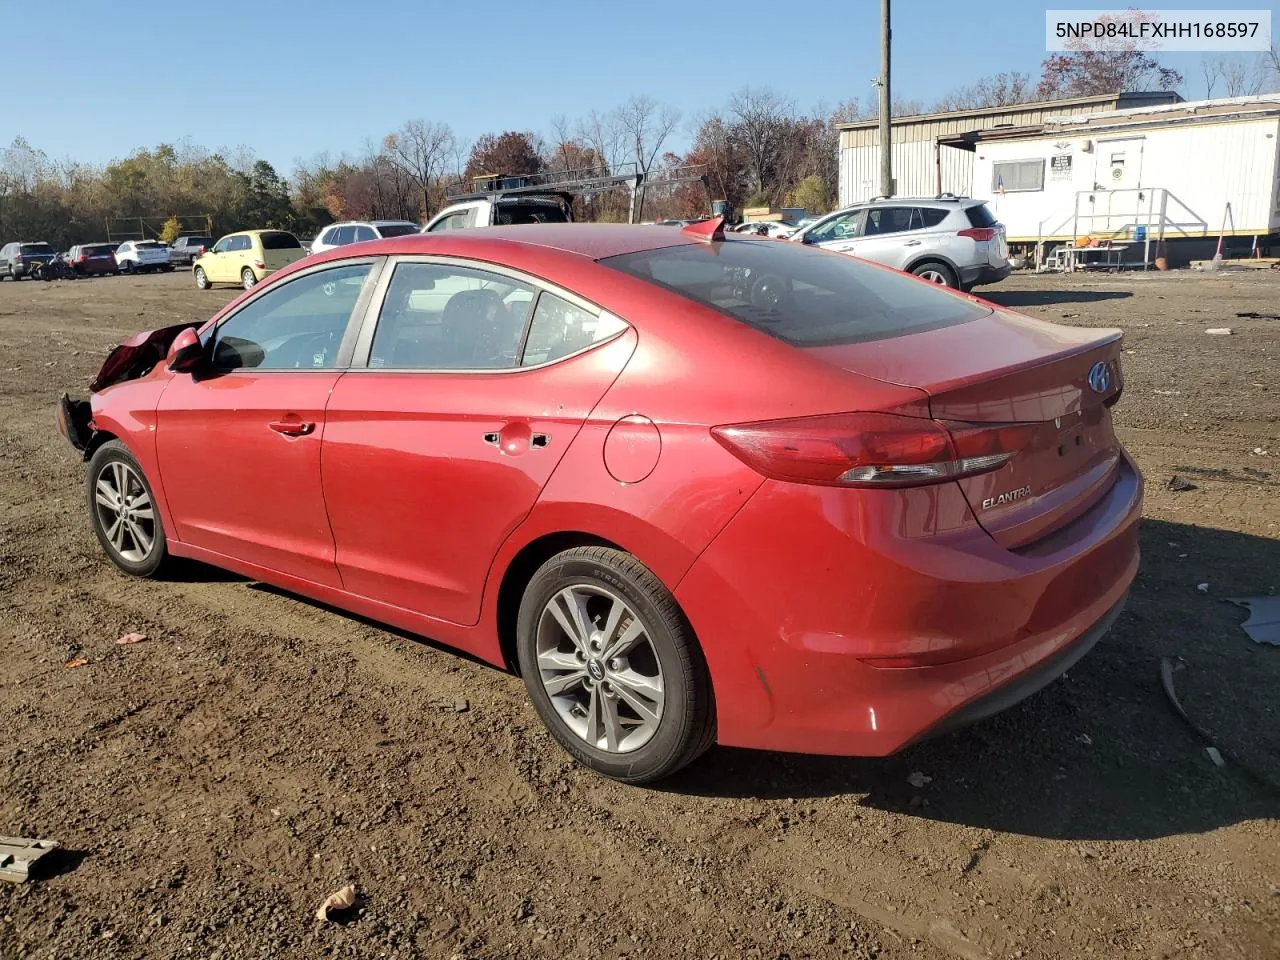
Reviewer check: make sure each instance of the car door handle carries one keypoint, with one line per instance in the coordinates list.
(291, 428)
(912, 243)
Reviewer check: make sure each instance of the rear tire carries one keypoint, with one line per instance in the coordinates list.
(248, 279)
(127, 266)
(627, 693)
(202, 281)
(936, 272)
(123, 512)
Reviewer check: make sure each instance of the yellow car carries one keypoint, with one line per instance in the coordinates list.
(246, 258)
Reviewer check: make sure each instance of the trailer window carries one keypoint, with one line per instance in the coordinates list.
(1017, 175)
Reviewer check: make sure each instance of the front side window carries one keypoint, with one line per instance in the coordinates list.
(296, 326)
(223, 245)
(445, 317)
(455, 221)
(844, 226)
(560, 328)
(344, 235)
(365, 233)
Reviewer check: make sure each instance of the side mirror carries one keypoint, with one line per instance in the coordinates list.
(186, 352)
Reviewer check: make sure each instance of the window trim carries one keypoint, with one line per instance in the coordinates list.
(343, 359)
(369, 323)
(1008, 189)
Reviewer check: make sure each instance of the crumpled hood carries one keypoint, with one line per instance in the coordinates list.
(137, 356)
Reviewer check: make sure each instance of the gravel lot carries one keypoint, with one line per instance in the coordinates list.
(212, 785)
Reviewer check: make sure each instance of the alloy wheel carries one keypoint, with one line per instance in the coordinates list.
(125, 511)
(599, 668)
(933, 276)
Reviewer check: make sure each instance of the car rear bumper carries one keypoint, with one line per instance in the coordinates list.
(857, 622)
(983, 274)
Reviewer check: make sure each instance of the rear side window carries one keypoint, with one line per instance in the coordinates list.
(365, 233)
(560, 328)
(279, 240)
(398, 229)
(37, 248)
(932, 216)
(244, 242)
(802, 296)
(980, 216)
(891, 220)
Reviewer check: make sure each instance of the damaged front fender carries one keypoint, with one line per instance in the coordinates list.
(137, 356)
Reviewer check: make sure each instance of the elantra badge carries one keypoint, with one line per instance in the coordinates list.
(1100, 377)
(1010, 497)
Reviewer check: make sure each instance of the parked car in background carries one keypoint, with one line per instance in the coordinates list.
(143, 256)
(17, 260)
(341, 234)
(502, 210)
(953, 241)
(184, 250)
(767, 228)
(93, 259)
(917, 515)
(246, 258)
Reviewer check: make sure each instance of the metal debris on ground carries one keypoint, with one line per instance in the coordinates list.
(1202, 587)
(343, 899)
(1219, 331)
(77, 662)
(17, 854)
(1178, 484)
(1260, 316)
(133, 638)
(1263, 625)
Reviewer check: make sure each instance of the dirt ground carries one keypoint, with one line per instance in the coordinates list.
(212, 785)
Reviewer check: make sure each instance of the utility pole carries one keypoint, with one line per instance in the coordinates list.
(886, 136)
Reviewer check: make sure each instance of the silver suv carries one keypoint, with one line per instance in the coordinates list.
(948, 240)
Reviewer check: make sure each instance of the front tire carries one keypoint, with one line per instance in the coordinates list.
(123, 512)
(248, 279)
(936, 272)
(202, 281)
(612, 665)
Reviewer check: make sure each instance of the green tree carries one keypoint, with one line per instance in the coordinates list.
(811, 194)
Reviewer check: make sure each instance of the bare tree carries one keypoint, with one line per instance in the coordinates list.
(759, 127)
(645, 125)
(421, 150)
(998, 90)
(603, 133)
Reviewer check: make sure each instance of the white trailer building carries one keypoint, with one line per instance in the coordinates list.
(925, 160)
(1181, 173)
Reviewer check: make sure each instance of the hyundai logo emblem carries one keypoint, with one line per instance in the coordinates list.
(1100, 377)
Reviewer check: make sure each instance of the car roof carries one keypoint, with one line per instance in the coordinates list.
(592, 240)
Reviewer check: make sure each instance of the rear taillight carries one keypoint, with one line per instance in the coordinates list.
(871, 449)
(977, 233)
(17, 258)
(259, 264)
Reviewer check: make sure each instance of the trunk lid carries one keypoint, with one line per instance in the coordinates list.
(137, 356)
(279, 259)
(1056, 383)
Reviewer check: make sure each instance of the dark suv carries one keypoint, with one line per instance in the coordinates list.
(17, 260)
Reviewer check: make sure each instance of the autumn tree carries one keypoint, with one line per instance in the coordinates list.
(510, 153)
(421, 150)
(1089, 68)
(998, 90)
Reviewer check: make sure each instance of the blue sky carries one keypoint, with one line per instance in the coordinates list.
(292, 79)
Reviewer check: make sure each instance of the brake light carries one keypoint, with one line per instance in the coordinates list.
(259, 264)
(977, 233)
(871, 449)
(17, 258)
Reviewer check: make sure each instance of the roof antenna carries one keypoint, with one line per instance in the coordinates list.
(708, 231)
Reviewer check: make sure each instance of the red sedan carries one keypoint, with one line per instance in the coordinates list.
(693, 489)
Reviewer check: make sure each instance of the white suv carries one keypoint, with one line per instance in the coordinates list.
(358, 231)
(139, 256)
(949, 240)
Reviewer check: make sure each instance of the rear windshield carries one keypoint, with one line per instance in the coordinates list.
(97, 249)
(980, 216)
(37, 248)
(802, 296)
(508, 214)
(279, 240)
(398, 229)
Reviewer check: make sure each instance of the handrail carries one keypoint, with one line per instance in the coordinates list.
(1155, 215)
